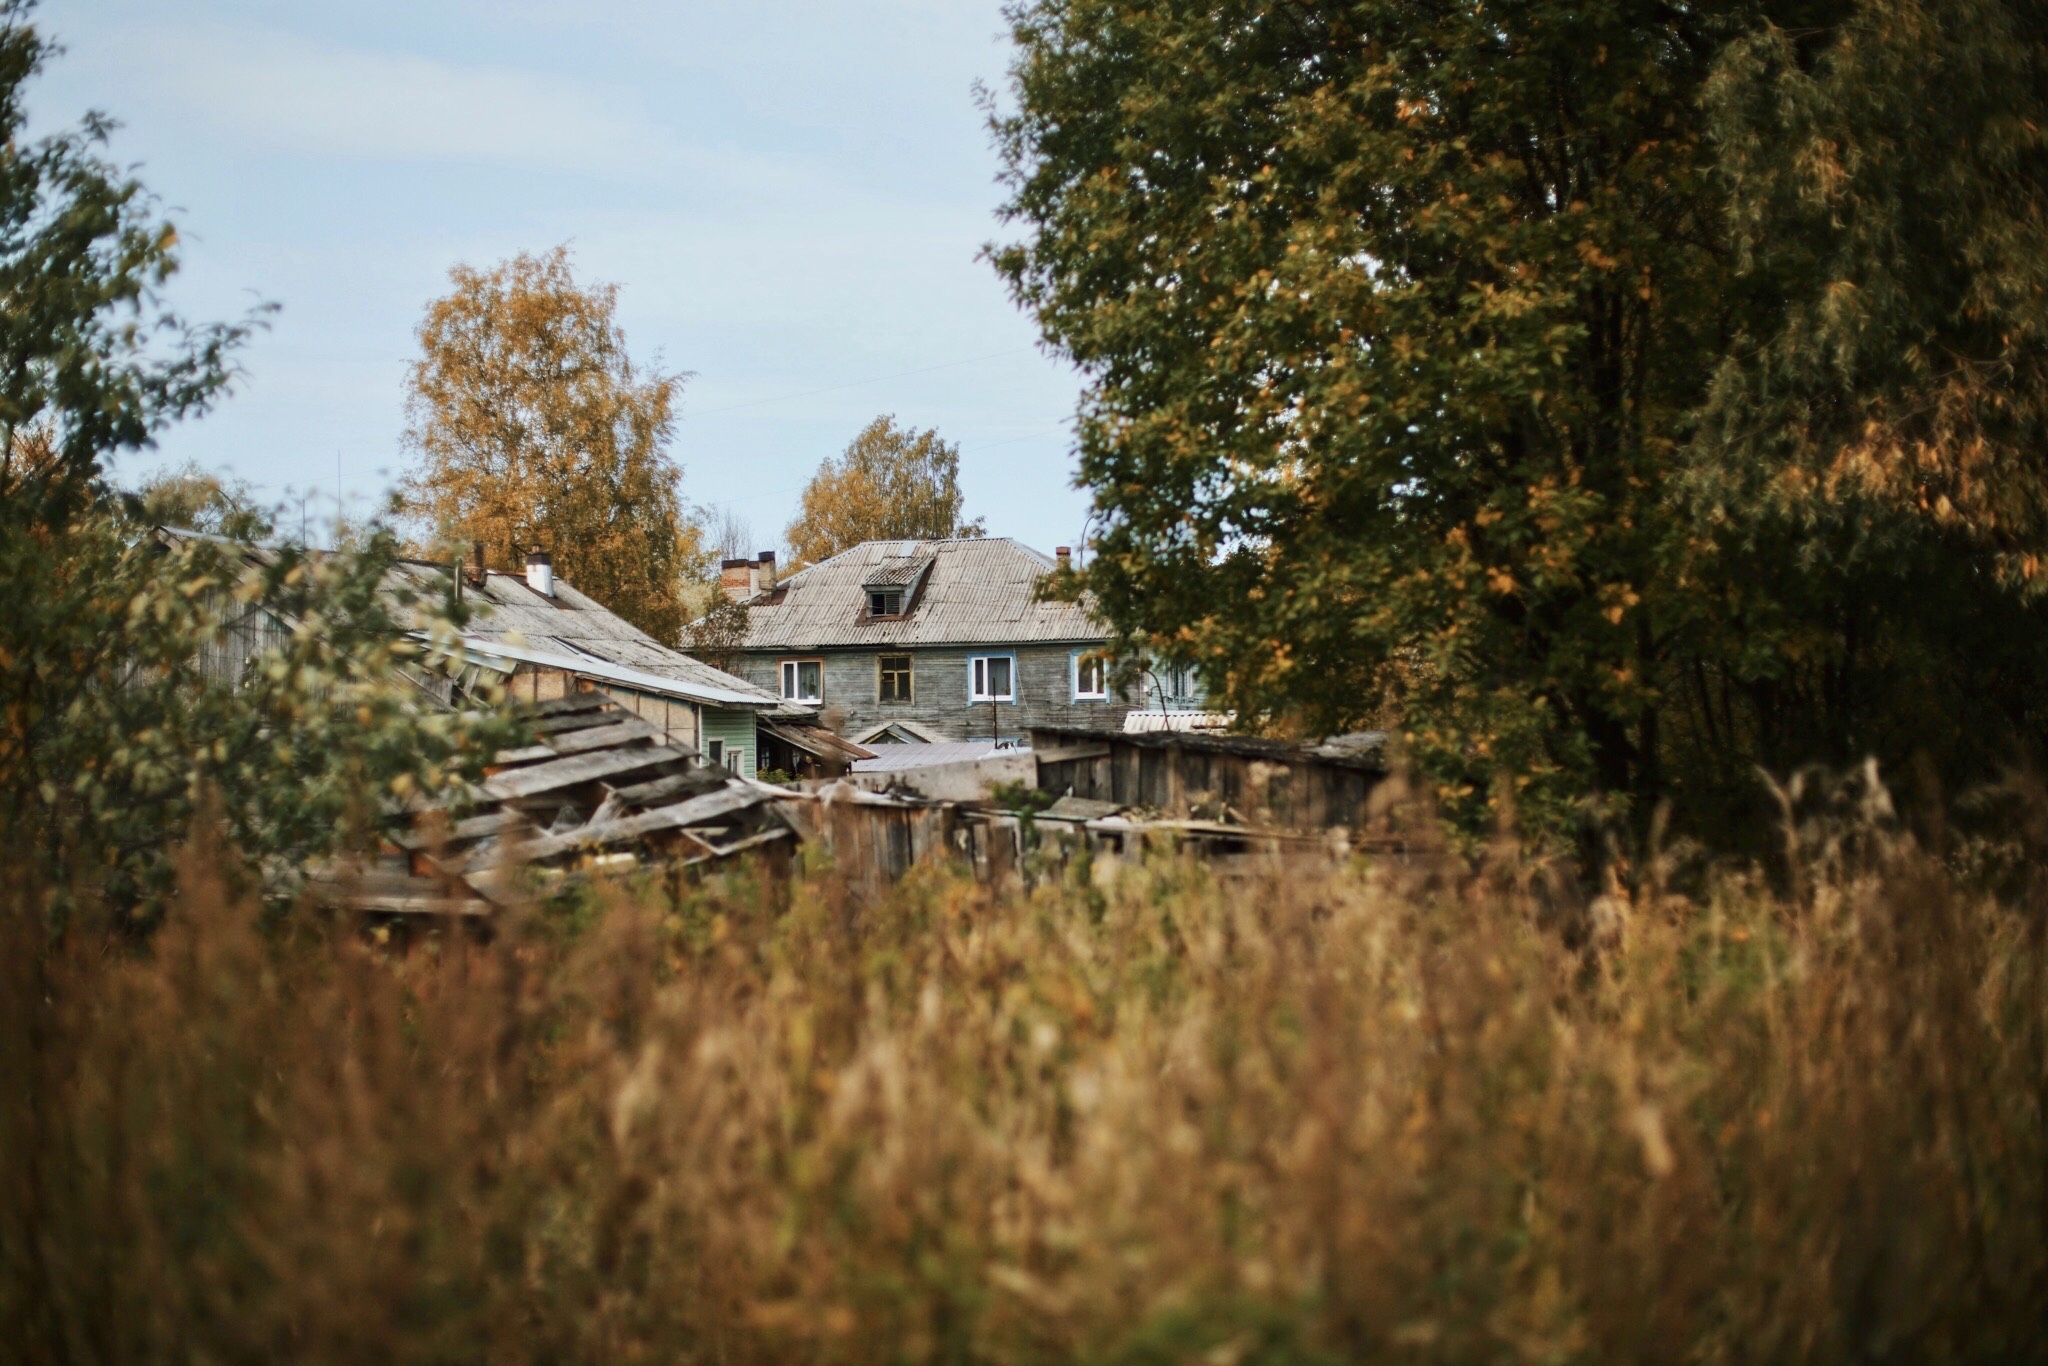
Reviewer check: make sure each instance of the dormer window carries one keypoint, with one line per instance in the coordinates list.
(885, 602)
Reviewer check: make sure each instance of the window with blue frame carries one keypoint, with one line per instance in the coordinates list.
(1091, 676)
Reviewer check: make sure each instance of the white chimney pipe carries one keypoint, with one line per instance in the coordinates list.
(764, 572)
(540, 572)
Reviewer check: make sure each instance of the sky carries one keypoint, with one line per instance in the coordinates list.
(792, 196)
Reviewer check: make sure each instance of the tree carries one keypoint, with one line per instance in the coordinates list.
(112, 740)
(1423, 344)
(534, 430)
(890, 484)
(201, 500)
(1392, 315)
(725, 534)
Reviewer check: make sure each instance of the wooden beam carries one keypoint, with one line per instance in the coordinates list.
(580, 768)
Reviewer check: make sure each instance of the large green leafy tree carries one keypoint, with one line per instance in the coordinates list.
(112, 741)
(1412, 334)
(1393, 314)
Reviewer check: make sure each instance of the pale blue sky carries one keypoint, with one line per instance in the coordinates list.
(792, 197)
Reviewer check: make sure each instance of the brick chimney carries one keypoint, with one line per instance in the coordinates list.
(540, 572)
(736, 578)
(1065, 557)
(476, 563)
(764, 572)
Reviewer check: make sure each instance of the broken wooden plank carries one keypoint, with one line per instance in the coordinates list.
(416, 905)
(581, 720)
(462, 831)
(657, 791)
(558, 706)
(1064, 754)
(513, 758)
(725, 851)
(597, 835)
(580, 768)
(626, 729)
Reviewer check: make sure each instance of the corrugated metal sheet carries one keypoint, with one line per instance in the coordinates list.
(978, 591)
(570, 624)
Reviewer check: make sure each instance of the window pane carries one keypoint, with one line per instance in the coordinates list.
(895, 676)
(999, 678)
(789, 680)
(981, 678)
(810, 680)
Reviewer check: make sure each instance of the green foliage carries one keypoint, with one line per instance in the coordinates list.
(118, 737)
(91, 358)
(196, 499)
(1455, 359)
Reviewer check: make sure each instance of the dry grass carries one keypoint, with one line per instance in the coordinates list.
(1389, 1115)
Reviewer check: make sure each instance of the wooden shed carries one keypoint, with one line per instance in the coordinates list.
(1240, 779)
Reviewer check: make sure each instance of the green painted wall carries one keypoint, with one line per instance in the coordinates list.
(736, 729)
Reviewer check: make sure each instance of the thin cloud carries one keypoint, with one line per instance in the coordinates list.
(287, 93)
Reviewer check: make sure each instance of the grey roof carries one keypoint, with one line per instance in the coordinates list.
(896, 758)
(896, 571)
(568, 631)
(576, 632)
(978, 591)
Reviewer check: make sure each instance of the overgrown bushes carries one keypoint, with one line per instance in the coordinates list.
(1411, 1111)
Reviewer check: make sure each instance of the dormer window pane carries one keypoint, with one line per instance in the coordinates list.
(885, 603)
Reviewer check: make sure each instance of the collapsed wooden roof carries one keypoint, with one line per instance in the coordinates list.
(598, 789)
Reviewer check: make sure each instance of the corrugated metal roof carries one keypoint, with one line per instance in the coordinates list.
(896, 758)
(979, 591)
(570, 625)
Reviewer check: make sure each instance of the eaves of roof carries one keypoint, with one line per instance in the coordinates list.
(617, 673)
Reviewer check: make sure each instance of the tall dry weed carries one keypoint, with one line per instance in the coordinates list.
(1147, 1116)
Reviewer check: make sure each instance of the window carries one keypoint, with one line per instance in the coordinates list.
(803, 680)
(714, 750)
(1091, 677)
(991, 678)
(885, 602)
(895, 678)
(1174, 686)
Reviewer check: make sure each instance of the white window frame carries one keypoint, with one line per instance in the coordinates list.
(887, 595)
(790, 674)
(1101, 664)
(714, 752)
(977, 666)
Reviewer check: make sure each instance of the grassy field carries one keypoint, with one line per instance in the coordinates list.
(1421, 1110)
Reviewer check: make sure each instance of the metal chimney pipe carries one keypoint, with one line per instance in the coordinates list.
(540, 572)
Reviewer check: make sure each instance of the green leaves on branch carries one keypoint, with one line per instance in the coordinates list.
(1488, 369)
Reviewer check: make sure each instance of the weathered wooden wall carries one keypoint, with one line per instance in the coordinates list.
(939, 690)
(1249, 782)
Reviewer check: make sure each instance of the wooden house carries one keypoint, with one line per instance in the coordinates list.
(919, 642)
